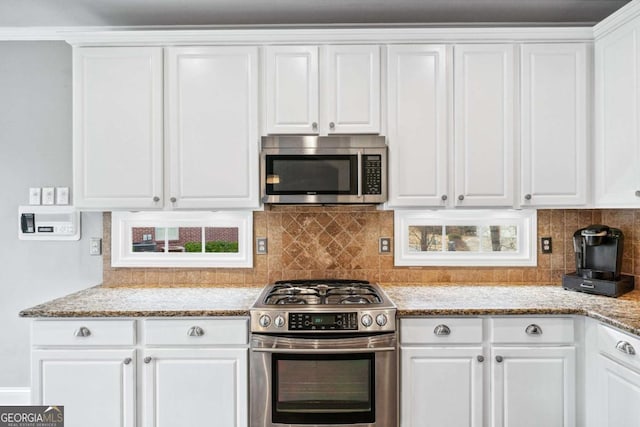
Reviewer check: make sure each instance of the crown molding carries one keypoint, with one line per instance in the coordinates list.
(166, 36)
(622, 16)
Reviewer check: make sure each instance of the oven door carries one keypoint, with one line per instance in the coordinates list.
(323, 381)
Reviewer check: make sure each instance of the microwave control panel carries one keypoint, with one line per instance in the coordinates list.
(372, 174)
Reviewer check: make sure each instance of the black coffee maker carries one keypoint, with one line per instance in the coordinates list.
(598, 251)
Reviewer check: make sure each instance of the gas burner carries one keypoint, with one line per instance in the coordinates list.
(355, 299)
(290, 300)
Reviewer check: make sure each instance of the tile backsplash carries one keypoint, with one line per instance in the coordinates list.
(342, 242)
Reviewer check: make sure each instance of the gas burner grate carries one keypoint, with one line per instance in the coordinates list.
(322, 291)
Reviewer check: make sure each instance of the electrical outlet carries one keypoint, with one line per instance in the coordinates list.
(261, 245)
(95, 246)
(547, 246)
(385, 245)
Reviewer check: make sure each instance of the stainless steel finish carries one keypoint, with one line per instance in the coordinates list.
(127, 361)
(366, 320)
(147, 359)
(533, 329)
(314, 126)
(381, 319)
(156, 199)
(173, 199)
(480, 358)
(442, 330)
(626, 348)
(323, 145)
(332, 125)
(444, 197)
(195, 331)
(499, 359)
(359, 174)
(383, 345)
(461, 197)
(527, 196)
(83, 331)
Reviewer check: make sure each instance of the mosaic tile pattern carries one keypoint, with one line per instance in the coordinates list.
(342, 241)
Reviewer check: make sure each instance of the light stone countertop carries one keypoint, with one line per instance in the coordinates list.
(418, 300)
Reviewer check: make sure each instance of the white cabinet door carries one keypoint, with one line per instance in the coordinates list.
(617, 138)
(195, 387)
(441, 386)
(554, 124)
(484, 84)
(353, 89)
(291, 103)
(213, 127)
(118, 127)
(533, 386)
(418, 112)
(619, 395)
(96, 387)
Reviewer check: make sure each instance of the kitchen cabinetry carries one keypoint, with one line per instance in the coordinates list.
(333, 89)
(484, 111)
(418, 105)
(118, 127)
(617, 101)
(527, 364)
(89, 368)
(554, 111)
(213, 126)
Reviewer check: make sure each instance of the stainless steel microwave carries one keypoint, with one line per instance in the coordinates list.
(323, 169)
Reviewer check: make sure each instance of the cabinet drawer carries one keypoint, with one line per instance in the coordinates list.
(440, 330)
(619, 346)
(532, 330)
(196, 331)
(83, 332)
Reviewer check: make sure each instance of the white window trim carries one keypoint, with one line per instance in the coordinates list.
(525, 220)
(121, 244)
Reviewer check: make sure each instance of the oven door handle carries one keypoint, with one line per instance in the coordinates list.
(323, 350)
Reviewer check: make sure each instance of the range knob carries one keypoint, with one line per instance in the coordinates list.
(278, 321)
(264, 321)
(381, 319)
(366, 320)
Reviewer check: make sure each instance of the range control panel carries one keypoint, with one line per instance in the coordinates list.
(323, 321)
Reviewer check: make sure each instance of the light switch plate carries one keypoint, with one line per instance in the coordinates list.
(48, 195)
(62, 195)
(34, 195)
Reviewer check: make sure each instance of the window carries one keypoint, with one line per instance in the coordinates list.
(465, 238)
(181, 239)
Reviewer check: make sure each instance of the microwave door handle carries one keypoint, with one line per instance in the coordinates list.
(359, 174)
(323, 350)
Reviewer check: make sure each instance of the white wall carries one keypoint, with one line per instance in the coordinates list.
(35, 151)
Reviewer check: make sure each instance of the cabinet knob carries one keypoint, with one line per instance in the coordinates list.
(156, 199)
(332, 125)
(480, 358)
(127, 361)
(314, 126)
(638, 193)
(533, 329)
(442, 330)
(147, 359)
(461, 197)
(173, 199)
(626, 348)
(499, 359)
(527, 196)
(195, 331)
(82, 332)
(444, 197)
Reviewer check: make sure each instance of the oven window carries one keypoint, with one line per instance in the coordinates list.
(323, 389)
(311, 174)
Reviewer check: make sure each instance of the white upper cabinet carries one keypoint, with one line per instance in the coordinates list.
(554, 124)
(118, 127)
(617, 98)
(484, 83)
(352, 89)
(291, 100)
(212, 106)
(341, 83)
(418, 107)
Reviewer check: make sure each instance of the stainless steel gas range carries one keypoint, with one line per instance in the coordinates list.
(323, 353)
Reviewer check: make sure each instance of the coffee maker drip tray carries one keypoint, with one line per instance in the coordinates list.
(610, 288)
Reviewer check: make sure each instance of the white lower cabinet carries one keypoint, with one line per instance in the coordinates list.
(619, 394)
(194, 387)
(96, 387)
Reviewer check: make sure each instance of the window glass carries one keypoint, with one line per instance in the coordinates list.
(221, 239)
(462, 238)
(425, 238)
(500, 238)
